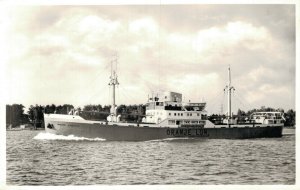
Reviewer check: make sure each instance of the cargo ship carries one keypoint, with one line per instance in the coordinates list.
(167, 116)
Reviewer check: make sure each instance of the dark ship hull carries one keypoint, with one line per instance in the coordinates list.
(143, 133)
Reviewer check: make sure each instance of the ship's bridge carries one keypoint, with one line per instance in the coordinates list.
(173, 101)
(194, 106)
(169, 108)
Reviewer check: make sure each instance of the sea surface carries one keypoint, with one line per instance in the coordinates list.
(38, 158)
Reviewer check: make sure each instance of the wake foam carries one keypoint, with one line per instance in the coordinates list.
(170, 139)
(50, 136)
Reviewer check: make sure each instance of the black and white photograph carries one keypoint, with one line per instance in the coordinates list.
(156, 95)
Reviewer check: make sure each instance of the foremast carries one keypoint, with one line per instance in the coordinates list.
(113, 82)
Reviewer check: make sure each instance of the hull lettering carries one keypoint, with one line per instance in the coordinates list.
(187, 132)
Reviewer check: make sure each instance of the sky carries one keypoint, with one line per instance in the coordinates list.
(63, 54)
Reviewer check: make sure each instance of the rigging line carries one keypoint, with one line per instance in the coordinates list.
(146, 83)
(217, 94)
(108, 98)
(118, 95)
(242, 91)
(126, 97)
(239, 105)
(223, 103)
(121, 94)
(98, 75)
(213, 100)
(103, 89)
(240, 100)
(245, 106)
(213, 104)
(213, 107)
(93, 83)
(124, 94)
(244, 100)
(92, 97)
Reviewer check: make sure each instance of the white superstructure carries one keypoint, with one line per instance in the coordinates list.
(268, 117)
(168, 109)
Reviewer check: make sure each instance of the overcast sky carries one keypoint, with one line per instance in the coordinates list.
(62, 54)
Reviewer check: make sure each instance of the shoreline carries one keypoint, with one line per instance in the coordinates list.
(19, 129)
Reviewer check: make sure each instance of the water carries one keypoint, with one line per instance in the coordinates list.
(36, 158)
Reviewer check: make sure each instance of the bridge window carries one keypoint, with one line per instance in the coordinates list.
(159, 103)
(174, 114)
(181, 114)
(171, 122)
(169, 113)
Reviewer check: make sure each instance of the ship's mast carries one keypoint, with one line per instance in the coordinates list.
(113, 82)
(229, 88)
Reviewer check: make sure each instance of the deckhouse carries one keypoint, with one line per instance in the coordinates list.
(268, 117)
(169, 109)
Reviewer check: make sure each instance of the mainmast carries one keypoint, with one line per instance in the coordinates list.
(229, 88)
(113, 82)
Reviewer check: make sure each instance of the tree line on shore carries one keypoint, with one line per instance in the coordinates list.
(16, 116)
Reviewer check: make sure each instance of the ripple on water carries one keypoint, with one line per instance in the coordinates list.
(32, 160)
